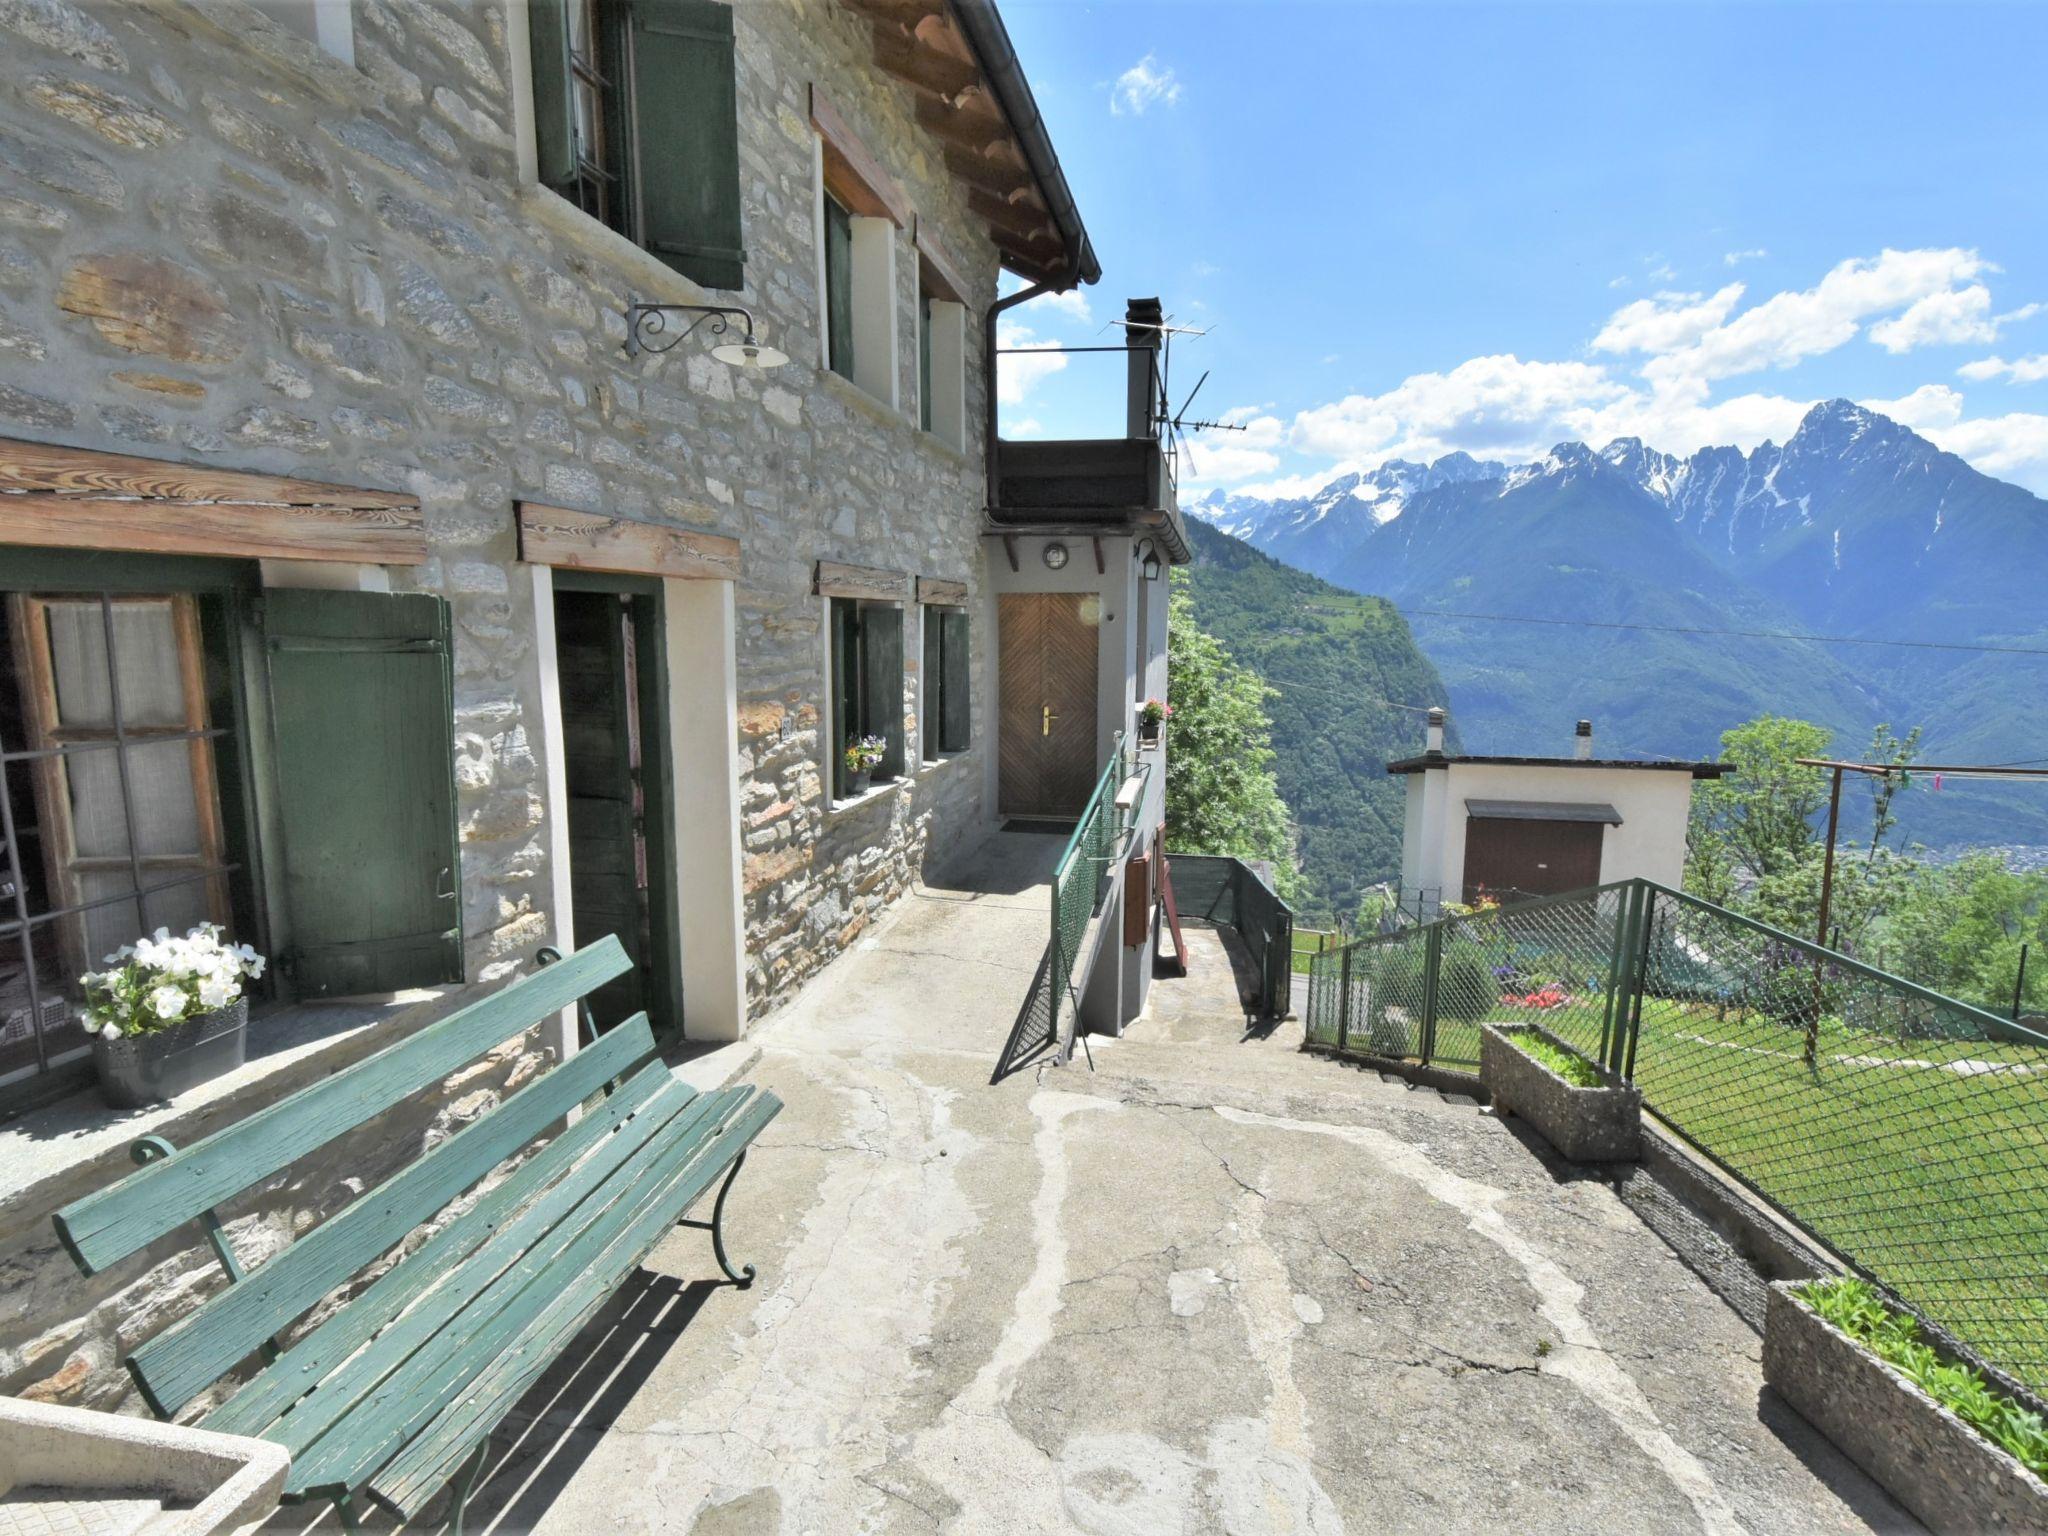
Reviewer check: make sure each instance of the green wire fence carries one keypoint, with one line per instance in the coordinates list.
(1080, 879)
(1905, 1131)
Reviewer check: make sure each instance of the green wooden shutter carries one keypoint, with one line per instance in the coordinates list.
(931, 674)
(686, 112)
(362, 742)
(882, 681)
(924, 361)
(554, 132)
(838, 288)
(846, 681)
(953, 692)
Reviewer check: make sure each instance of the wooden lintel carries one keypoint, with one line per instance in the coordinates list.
(952, 594)
(852, 173)
(590, 541)
(78, 498)
(1010, 549)
(866, 581)
(1100, 568)
(942, 274)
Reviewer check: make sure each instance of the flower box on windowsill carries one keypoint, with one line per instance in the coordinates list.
(135, 1070)
(1917, 1450)
(1585, 1125)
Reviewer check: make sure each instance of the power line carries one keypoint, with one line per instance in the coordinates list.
(1746, 634)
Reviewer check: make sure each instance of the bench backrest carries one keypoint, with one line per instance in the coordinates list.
(115, 1222)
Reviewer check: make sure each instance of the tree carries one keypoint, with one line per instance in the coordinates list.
(1759, 822)
(1220, 792)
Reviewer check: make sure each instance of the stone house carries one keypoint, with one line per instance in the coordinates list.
(409, 562)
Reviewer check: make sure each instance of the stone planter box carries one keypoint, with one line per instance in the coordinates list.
(1585, 1125)
(65, 1469)
(1955, 1480)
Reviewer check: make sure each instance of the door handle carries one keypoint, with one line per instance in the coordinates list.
(1046, 727)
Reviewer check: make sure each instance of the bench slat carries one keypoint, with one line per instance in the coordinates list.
(431, 1456)
(301, 1368)
(114, 1222)
(333, 1433)
(175, 1366)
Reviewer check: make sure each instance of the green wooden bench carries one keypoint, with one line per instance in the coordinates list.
(389, 1396)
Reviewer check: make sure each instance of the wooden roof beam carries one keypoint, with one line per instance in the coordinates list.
(902, 55)
(1014, 218)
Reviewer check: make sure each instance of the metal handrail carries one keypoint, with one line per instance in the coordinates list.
(1061, 963)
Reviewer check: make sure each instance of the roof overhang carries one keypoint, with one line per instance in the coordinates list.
(971, 95)
(1429, 760)
(1543, 810)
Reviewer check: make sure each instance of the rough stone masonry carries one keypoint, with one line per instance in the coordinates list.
(221, 246)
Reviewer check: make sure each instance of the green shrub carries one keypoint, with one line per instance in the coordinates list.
(1855, 1307)
(1569, 1065)
(1465, 985)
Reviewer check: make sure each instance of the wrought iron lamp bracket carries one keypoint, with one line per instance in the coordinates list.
(647, 325)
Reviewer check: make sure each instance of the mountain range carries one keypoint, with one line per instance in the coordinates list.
(1618, 562)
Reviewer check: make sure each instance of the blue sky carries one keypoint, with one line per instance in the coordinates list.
(1419, 227)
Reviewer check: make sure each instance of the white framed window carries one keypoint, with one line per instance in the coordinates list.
(858, 211)
(864, 639)
(945, 679)
(327, 24)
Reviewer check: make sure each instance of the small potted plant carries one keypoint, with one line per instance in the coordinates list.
(862, 758)
(168, 1013)
(1152, 717)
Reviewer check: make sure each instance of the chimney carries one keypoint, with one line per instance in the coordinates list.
(1433, 736)
(1582, 741)
(1142, 321)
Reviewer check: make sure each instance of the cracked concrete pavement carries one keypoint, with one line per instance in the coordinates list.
(1214, 1285)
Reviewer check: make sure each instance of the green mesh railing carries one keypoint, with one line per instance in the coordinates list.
(1905, 1131)
(1078, 883)
(1225, 892)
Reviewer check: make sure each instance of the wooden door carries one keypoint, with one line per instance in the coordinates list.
(611, 729)
(1047, 746)
(1506, 857)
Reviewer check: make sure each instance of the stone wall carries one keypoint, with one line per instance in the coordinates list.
(220, 246)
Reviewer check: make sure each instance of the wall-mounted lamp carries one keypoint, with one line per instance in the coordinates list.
(1148, 560)
(647, 331)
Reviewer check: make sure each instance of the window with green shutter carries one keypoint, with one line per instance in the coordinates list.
(838, 287)
(924, 358)
(360, 696)
(946, 682)
(636, 121)
(867, 684)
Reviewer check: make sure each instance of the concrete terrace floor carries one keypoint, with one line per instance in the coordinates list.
(1213, 1285)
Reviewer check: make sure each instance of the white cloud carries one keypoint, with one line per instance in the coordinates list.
(1666, 322)
(1020, 373)
(2021, 370)
(1737, 258)
(2013, 447)
(1073, 304)
(1147, 83)
(1030, 426)
(1946, 318)
(1927, 408)
(1487, 405)
(1791, 326)
(1221, 459)
(1290, 487)
(1663, 272)
(1618, 282)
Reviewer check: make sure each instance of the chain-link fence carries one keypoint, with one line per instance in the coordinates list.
(1226, 892)
(1904, 1130)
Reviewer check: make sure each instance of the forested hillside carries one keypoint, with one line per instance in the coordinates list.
(1349, 691)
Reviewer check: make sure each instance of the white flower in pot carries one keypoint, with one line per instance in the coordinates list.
(168, 1013)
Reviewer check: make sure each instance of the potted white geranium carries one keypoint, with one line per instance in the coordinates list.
(168, 1013)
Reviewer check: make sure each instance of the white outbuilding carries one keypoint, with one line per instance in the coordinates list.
(1514, 827)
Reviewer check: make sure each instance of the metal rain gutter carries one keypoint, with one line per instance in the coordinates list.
(990, 40)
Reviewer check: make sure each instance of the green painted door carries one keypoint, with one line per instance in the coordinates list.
(614, 730)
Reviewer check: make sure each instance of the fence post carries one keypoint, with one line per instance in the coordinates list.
(1053, 976)
(1432, 962)
(1618, 966)
(1625, 1068)
(1344, 1002)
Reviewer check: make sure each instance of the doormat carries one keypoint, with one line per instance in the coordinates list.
(1038, 824)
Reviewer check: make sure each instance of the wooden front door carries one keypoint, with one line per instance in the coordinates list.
(1047, 742)
(1507, 858)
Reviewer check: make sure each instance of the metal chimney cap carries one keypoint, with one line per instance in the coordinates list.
(1585, 728)
(1436, 715)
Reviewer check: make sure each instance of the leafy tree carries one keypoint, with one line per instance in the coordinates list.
(1220, 792)
(1760, 822)
(1959, 929)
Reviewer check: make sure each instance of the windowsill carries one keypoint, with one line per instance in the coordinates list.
(874, 792)
(865, 400)
(934, 764)
(44, 1153)
(934, 443)
(656, 279)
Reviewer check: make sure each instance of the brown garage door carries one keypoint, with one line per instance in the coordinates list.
(1506, 857)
